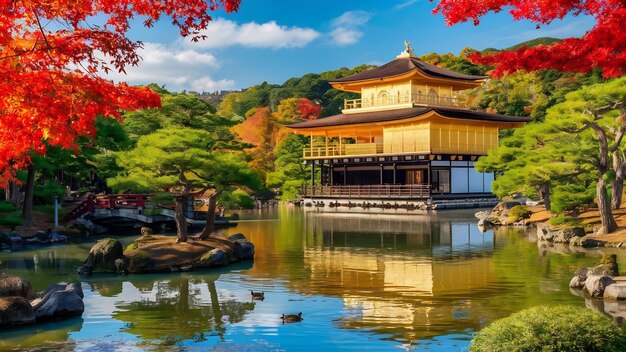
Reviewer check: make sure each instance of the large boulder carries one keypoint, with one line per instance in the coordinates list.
(585, 242)
(237, 237)
(607, 266)
(243, 249)
(102, 257)
(214, 257)
(596, 284)
(139, 262)
(14, 286)
(616, 291)
(46, 237)
(565, 235)
(500, 212)
(15, 311)
(59, 301)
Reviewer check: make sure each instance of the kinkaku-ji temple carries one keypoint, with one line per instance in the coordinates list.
(409, 139)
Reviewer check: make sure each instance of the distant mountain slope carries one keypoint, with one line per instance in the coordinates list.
(316, 88)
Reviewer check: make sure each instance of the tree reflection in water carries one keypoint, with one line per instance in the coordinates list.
(178, 311)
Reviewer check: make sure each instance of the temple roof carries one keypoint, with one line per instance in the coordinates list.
(399, 114)
(401, 66)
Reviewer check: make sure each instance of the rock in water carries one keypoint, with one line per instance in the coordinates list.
(243, 249)
(60, 301)
(237, 237)
(102, 257)
(596, 284)
(578, 281)
(15, 311)
(616, 291)
(214, 257)
(14, 286)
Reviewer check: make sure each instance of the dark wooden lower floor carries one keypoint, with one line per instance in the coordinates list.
(401, 179)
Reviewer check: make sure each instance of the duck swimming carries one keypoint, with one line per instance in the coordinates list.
(258, 296)
(292, 318)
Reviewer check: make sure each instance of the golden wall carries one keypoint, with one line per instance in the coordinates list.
(439, 137)
(462, 138)
(410, 138)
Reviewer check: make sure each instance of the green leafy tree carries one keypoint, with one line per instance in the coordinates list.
(290, 173)
(180, 160)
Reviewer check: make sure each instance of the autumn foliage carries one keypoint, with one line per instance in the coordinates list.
(603, 46)
(51, 53)
(308, 109)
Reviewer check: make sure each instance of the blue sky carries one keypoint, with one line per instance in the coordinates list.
(274, 40)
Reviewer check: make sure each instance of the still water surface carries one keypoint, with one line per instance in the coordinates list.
(362, 282)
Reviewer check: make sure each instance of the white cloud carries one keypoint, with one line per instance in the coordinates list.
(176, 68)
(405, 4)
(346, 28)
(223, 33)
(207, 84)
(351, 19)
(343, 36)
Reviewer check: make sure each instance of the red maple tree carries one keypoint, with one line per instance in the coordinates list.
(309, 110)
(51, 53)
(602, 46)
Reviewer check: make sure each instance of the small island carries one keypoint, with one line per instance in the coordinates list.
(156, 254)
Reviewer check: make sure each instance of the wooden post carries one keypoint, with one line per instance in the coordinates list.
(326, 140)
(340, 145)
(311, 144)
(394, 173)
(381, 173)
(331, 174)
(345, 175)
(428, 182)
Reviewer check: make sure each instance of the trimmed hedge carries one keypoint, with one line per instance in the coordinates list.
(518, 213)
(551, 328)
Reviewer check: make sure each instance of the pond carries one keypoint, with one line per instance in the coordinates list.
(362, 282)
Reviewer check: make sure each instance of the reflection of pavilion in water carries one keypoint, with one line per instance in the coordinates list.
(409, 277)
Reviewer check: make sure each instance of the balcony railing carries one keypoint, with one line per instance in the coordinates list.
(368, 191)
(323, 150)
(421, 99)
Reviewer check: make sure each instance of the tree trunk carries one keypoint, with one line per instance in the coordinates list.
(545, 195)
(210, 217)
(27, 210)
(181, 221)
(618, 183)
(604, 206)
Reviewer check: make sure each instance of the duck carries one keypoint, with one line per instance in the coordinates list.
(292, 318)
(258, 296)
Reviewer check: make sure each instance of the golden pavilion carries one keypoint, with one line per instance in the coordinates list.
(409, 136)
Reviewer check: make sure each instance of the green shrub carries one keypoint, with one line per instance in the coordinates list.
(517, 213)
(9, 216)
(6, 207)
(11, 220)
(551, 328)
(564, 221)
